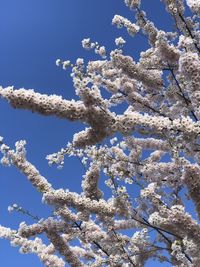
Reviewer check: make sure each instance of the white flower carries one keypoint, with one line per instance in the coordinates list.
(120, 41)
(10, 208)
(66, 64)
(194, 6)
(132, 3)
(84, 160)
(113, 140)
(120, 22)
(79, 61)
(86, 43)
(4, 148)
(58, 62)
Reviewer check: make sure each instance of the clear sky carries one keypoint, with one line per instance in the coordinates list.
(34, 34)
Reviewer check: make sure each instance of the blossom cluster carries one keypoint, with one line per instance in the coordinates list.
(140, 152)
(120, 21)
(194, 5)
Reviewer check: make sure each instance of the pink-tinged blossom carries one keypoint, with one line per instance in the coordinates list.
(150, 78)
(190, 178)
(174, 6)
(79, 202)
(147, 153)
(120, 41)
(90, 183)
(132, 3)
(45, 253)
(64, 249)
(169, 53)
(189, 66)
(120, 22)
(18, 159)
(43, 104)
(194, 5)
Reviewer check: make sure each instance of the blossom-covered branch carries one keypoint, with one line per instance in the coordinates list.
(141, 162)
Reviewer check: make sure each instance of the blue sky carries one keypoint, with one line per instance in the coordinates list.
(33, 35)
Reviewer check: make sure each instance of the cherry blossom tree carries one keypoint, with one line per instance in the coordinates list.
(162, 95)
